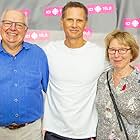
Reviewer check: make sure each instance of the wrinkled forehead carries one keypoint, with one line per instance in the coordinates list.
(75, 12)
(15, 16)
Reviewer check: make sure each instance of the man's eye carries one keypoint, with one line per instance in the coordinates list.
(79, 20)
(69, 19)
(19, 25)
(7, 23)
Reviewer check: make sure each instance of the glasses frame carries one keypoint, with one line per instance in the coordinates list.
(18, 25)
(120, 51)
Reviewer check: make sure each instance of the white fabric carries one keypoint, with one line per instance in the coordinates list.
(69, 105)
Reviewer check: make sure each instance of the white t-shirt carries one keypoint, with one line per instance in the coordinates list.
(69, 106)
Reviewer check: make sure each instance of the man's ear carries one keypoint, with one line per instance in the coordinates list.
(86, 25)
(61, 23)
(27, 29)
(0, 29)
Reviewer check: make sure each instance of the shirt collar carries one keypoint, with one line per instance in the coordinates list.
(24, 45)
(1, 48)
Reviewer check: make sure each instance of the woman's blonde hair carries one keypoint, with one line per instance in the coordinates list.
(124, 38)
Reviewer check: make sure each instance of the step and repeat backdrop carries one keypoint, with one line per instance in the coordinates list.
(104, 16)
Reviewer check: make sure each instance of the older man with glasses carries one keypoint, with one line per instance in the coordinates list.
(23, 76)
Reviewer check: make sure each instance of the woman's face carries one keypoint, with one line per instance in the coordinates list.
(119, 55)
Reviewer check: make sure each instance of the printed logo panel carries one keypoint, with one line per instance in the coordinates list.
(92, 9)
(131, 22)
(37, 35)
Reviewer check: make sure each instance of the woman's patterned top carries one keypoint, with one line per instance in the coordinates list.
(127, 97)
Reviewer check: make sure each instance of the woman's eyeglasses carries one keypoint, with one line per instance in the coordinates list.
(120, 51)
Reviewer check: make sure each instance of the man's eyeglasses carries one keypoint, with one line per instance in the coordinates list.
(120, 51)
(18, 25)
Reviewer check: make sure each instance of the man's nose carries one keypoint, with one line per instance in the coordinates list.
(13, 26)
(74, 23)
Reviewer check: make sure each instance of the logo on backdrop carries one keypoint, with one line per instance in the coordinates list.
(87, 33)
(26, 12)
(37, 35)
(92, 9)
(131, 22)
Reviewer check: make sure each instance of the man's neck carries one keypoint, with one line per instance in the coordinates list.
(12, 50)
(72, 43)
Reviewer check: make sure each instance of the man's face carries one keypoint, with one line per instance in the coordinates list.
(13, 28)
(74, 23)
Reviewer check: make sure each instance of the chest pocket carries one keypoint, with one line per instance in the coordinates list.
(31, 77)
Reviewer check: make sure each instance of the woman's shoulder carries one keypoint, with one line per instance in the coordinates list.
(136, 75)
(104, 73)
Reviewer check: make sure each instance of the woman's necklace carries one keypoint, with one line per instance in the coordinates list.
(116, 79)
(117, 76)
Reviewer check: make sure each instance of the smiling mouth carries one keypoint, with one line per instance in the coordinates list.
(74, 30)
(11, 34)
(117, 61)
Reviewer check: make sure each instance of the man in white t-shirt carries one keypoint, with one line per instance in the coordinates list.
(74, 67)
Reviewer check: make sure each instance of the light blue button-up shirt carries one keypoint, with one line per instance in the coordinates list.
(22, 79)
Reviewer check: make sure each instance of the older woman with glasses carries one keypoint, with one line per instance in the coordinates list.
(118, 94)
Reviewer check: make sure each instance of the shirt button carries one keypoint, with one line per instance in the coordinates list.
(14, 58)
(16, 100)
(16, 115)
(15, 70)
(15, 85)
